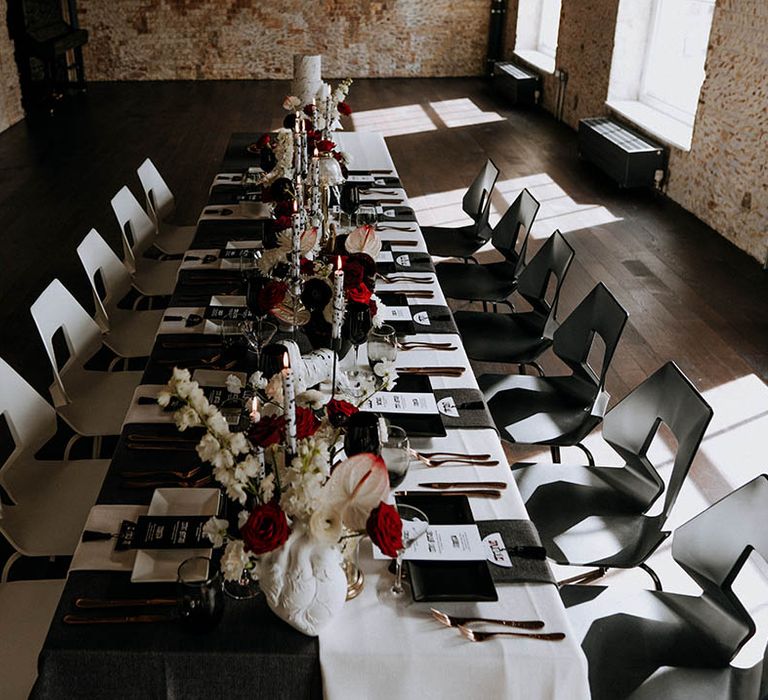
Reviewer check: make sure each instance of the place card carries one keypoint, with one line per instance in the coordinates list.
(385, 256)
(360, 179)
(442, 543)
(170, 532)
(395, 313)
(401, 402)
(236, 253)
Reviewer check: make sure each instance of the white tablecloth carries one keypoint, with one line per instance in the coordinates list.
(374, 649)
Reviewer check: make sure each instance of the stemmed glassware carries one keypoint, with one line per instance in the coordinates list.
(415, 525)
(357, 326)
(396, 453)
(382, 345)
(201, 597)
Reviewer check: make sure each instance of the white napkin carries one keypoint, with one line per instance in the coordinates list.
(256, 211)
(101, 555)
(205, 327)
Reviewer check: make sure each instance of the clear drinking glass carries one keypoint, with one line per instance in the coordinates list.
(230, 330)
(415, 525)
(396, 453)
(201, 597)
(382, 345)
(366, 214)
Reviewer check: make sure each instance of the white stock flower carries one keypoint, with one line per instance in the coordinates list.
(164, 398)
(208, 448)
(217, 424)
(216, 531)
(275, 388)
(242, 518)
(386, 371)
(238, 444)
(236, 492)
(180, 376)
(234, 384)
(267, 488)
(186, 418)
(234, 560)
(197, 400)
(257, 381)
(223, 459)
(250, 466)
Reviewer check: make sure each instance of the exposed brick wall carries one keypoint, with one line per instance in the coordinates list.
(724, 177)
(723, 180)
(10, 95)
(219, 39)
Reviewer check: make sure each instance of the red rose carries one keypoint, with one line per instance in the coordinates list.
(353, 274)
(367, 263)
(361, 294)
(373, 307)
(325, 145)
(307, 267)
(266, 529)
(264, 141)
(344, 109)
(385, 529)
(268, 431)
(339, 412)
(284, 208)
(307, 422)
(281, 223)
(271, 295)
(309, 110)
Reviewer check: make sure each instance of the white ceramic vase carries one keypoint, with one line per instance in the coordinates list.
(304, 582)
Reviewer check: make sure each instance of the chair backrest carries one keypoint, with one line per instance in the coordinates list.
(552, 260)
(599, 313)
(57, 309)
(160, 201)
(666, 396)
(30, 418)
(136, 227)
(713, 546)
(99, 259)
(474, 199)
(518, 219)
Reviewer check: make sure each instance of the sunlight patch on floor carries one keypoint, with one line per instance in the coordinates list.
(394, 121)
(463, 112)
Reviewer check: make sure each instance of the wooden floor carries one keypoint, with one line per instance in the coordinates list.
(692, 297)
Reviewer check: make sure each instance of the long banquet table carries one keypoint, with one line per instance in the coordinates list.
(371, 649)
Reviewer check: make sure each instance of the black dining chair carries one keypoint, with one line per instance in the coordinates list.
(463, 241)
(495, 282)
(565, 502)
(561, 411)
(520, 338)
(647, 645)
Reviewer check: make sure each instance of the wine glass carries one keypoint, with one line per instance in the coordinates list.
(271, 360)
(366, 215)
(382, 345)
(415, 525)
(349, 201)
(362, 434)
(396, 453)
(357, 325)
(230, 329)
(201, 596)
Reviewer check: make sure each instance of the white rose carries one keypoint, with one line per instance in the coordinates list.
(257, 381)
(234, 560)
(234, 384)
(216, 531)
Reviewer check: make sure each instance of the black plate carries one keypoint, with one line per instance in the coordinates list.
(437, 581)
(416, 424)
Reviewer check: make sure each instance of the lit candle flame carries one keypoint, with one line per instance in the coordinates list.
(338, 262)
(286, 363)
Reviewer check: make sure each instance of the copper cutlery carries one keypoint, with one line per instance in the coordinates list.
(175, 483)
(75, 619)
(402, 243)
(467, 455)
(457, 461)
(455, 621)
(501, 485)
(162, 473)
(416, 344)
(433, 371)
(103, 603)
(476, 636)
(471, 493)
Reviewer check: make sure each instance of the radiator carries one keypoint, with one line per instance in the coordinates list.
(517, 85)
(628, 158)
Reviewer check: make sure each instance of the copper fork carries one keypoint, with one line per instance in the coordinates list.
(454, 621)
(476, 636)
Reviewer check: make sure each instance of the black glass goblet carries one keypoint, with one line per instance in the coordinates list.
(271, 360)
(362, 434)
(357, 324)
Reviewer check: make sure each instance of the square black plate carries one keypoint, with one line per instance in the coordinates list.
(416, 424)
(437, 581)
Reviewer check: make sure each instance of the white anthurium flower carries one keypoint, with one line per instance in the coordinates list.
(234, 560)
(186, 418)
(234, 384)
(216, 531)
(291, 103)
(313, 398)
(257, 381)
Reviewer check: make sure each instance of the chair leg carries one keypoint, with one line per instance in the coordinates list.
(653, 575)
(495, 308)
(590, 458)
(537, 367)
(485, 306)
(521, 369)
(555, 450)
(8, 564)
(586, 577)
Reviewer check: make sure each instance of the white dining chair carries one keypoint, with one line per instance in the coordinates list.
(129, 333)
(51, 499)
(150, 276)
(161, 205)
(26, 611)
(92, 402)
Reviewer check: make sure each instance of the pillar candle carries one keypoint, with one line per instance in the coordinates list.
(289, 406)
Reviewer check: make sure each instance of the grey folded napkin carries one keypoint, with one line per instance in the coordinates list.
(463, 408)
(516, 533)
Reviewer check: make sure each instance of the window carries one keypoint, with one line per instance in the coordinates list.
(658, 64)
(538, 22)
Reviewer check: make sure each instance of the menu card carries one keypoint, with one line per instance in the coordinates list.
(401, 402)
(441, 543)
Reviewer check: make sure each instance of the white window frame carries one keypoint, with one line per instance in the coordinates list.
(542, 46)
(530, 42)
(645, 92)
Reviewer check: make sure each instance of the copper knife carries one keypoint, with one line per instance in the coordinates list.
(464, 484)
(115, 620)
(99, 603)
(472, 493)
